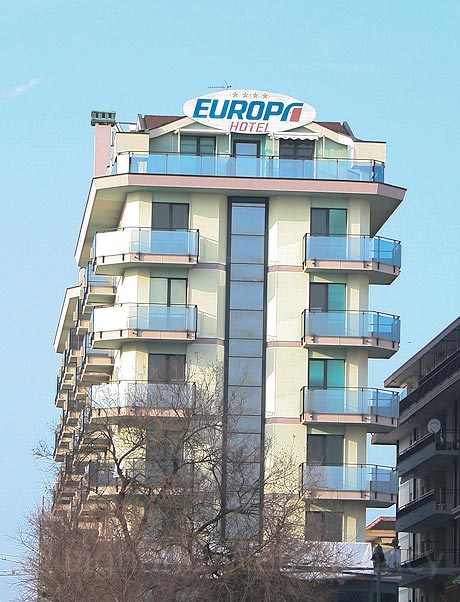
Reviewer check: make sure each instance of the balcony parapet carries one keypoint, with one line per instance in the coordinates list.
(377, 485)
(380, 257)
(364, 170)
(378, 408)
(116, 250)
(148, 321)
(378, 331)
(135, 397)
(96, 289)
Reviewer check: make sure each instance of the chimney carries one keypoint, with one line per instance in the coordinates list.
(102, 122)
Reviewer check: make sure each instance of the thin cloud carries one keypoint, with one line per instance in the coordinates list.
(21, 89)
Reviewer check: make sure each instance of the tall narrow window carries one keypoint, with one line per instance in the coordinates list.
(323, 526)
(328, 222)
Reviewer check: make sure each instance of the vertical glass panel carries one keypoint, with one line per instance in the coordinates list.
(207, 145)
(316, 373)
(333, 450)
(247, 271)
(179, 216)
(246, 324)
(315, 451)
(319, 222)
(160, 216)
(335, 373)
(245, 347)
(245, 371)
(246, 295)
(246, 149)
(336, 297)
(248, 249)
(176, 368)
(157, 368)
(178, 292)
(248, 219)
(337, 222)
(159, 291)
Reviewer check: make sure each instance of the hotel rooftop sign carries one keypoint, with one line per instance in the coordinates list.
(249, 111)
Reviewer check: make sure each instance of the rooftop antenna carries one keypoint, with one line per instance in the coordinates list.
(226, 86)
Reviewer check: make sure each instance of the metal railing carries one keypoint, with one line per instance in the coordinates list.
(366, 324)
(147, 241)
(445, 440)
(444, 499)
(350, 477)
(349, 400)
(364, 170)
(352, 248)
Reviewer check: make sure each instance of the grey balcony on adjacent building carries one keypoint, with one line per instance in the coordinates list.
(377, 408)
(95, 365)
(432, 452)
(378, 332)
(148, 321)
(115, 250)
(433, 509)
(379, 257)
(430, 563)
(377, 485)
(222, 165)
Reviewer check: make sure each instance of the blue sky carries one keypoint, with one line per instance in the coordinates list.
(391, 69)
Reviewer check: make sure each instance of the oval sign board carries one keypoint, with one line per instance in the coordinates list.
(249, 111)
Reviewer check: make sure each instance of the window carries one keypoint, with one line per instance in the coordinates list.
(297, 149)
(164, 368)
(246, 148)
(326, 374)
(168, 291)
(327, 297)
(169, 216)
(323, 526)
(325, 450)
(198, 145)
(328, 222)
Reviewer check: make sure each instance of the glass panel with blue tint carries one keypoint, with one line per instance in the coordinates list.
(248, 219)
(244, 371)
(247, 295)
(247, 249)
(245, 324)
(247, 272)
(245, 347)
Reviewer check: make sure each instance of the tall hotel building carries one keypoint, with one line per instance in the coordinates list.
(244, 234)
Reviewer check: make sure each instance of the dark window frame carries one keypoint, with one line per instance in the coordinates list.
(198, 152)
(245, 141)
(171, 207)
(325, 363)
(297, 148)
(169, 369)
(168, 292)
(327, 211)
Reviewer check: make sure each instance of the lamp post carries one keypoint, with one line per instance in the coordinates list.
(378, 558)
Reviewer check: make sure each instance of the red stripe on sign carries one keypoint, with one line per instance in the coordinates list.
(295, 115)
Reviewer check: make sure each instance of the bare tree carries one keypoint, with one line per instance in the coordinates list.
(140, 500)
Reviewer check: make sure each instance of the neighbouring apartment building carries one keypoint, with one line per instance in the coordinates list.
(428, 454)
(243, 233)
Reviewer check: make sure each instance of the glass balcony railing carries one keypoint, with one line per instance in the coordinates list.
(350, 400)
(147, 241)
(368, 170)
(145, 316)
(353, 248)
(142, 394)
(350, 477)
(368, 324)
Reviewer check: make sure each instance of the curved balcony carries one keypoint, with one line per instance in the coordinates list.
(376, 485)
(364, 170)
(116, 250)
(379, 257)
(378, 332)
(111, 326)
(376, 408)
(126, 398)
